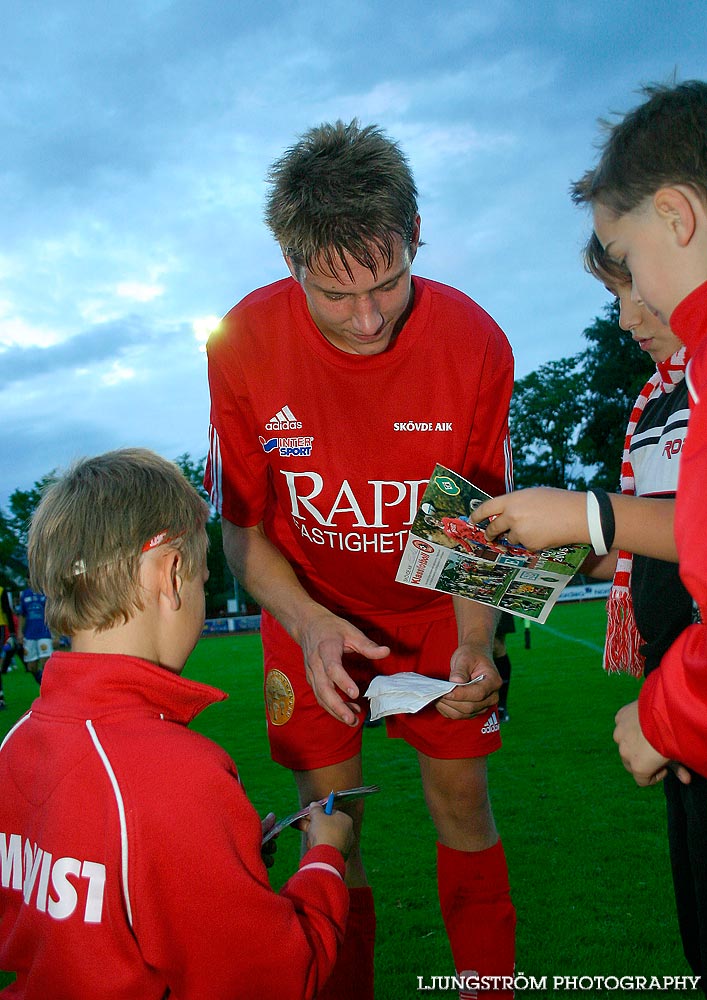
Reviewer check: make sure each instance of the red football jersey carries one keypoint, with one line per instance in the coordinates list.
(332, 451)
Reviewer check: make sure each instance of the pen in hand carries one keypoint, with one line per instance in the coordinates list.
(329, 807)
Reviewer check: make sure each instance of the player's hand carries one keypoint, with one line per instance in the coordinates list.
(267, 851)
(538, 518)
(324, 639)
(335, 830)
(469, 661)
(647, 766)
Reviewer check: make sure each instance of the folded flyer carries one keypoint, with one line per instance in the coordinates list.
(446, 551)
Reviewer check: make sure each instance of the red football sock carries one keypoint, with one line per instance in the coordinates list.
(352, 978)
(480, 918)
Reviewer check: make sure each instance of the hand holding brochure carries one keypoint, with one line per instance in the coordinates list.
(446, 551)
(346, 793)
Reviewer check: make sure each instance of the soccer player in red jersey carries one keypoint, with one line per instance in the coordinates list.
(334, 392)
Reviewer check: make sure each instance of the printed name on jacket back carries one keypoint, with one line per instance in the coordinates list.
(57, 886)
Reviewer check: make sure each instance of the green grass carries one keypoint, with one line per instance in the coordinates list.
(586, 847)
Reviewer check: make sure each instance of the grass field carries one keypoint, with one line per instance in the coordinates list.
(586, 848)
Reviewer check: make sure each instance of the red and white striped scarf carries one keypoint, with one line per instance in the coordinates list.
(623, 640)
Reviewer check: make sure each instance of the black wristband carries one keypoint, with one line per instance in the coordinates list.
(606, 513)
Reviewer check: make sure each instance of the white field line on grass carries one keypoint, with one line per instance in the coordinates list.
(573, 638)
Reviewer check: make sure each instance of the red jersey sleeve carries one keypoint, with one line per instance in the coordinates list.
(204, 913)
(672, 705)
(489, 462)
(236, 475)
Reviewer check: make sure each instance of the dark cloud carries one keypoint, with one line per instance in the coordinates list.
(101, 343)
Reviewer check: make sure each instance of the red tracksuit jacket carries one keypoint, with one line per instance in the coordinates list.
(672, 706)
(130, 855)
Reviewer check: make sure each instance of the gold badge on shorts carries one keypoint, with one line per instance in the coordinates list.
(279, 698)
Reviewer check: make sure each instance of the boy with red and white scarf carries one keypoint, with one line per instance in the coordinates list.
(648, 607)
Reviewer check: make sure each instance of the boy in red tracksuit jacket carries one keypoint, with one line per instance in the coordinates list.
(130, 856)
(648, 196)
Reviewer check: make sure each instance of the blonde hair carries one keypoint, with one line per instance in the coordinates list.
(92, 526)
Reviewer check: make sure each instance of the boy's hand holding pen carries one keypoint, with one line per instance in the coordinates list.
(319, 821)
(273, 829)
(325, 825)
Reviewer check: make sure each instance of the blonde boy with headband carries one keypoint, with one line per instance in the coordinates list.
(131, 857)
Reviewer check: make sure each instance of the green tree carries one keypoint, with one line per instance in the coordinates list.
(194, 472)
(12, 565)
(615, 371)
(221, 586)
(545, 412)
(14, 525)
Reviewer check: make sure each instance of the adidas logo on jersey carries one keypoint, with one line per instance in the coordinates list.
(491, 724)
(284, 420)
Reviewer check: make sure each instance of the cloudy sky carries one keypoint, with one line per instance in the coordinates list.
(135, 142)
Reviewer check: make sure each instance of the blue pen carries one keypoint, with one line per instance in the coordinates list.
(329, 807)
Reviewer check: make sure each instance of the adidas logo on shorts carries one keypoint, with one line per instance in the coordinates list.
(491, 724)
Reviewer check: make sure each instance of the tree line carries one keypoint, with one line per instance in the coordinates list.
(14, 524)
(568, 421)
(568, 418)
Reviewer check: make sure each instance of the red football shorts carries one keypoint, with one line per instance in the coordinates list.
(303, 736)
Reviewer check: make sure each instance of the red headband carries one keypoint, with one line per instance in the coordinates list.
(161, 538)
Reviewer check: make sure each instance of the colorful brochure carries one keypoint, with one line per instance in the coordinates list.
(446, 551)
